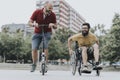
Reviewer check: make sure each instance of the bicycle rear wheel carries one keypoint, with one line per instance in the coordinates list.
(73, 63)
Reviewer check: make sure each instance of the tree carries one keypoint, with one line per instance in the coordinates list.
(58, 45)
(15, 46)
(112, 45)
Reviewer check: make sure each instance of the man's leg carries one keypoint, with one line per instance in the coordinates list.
(36, 40)
(46, 53)
(34, 56)
(34, 59)
(96, 52)
(96, 56)
(84, 58)
(84, 55)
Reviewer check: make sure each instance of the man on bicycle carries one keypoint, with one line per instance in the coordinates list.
(85, 40)
(43, 16)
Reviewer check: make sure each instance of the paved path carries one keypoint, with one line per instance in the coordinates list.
(55, 75)
(28, 66)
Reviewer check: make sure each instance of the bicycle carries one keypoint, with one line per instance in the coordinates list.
(76, 60)
(42, 55)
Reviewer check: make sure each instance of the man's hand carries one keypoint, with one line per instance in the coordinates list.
(35, 24)
(32, 23)
(51, 25)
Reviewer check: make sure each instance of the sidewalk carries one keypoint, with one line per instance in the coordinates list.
(15, 66)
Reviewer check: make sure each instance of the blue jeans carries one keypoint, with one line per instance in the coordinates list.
(37, 39)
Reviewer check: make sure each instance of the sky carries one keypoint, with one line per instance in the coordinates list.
(94, 11)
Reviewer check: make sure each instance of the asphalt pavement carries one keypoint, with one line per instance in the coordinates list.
(55, 75)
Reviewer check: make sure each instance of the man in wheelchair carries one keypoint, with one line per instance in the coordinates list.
(86, 39)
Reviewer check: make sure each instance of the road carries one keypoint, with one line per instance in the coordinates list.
(55, 75)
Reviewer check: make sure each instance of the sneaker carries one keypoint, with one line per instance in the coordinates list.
(33, 67)
(86, 70)
(97, 67)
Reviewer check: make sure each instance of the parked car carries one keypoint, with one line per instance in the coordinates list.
(116, 64)
(105, 64)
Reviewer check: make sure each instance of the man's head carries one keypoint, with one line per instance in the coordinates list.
(85, 29)
(48, 8)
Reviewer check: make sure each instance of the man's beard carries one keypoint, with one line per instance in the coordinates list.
(48, 11)
(85, 33)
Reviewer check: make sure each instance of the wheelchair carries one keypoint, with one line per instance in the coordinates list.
(76, 60)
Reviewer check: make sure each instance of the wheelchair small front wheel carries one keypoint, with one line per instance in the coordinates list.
(98, 72)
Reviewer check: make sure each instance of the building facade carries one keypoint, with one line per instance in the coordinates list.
(66, 16)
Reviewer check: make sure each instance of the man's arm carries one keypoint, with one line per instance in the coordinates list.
(71, 39)
(32, 23)
(69, 45)
(97, 42)
(69, 42)
(95, 38)
(53, 25)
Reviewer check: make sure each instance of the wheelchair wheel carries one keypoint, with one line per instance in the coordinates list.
(73, 63)
(79, 68)
(79, 71)
(98, 72)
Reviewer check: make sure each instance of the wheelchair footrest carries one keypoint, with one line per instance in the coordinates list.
(97, 68)
(84, 71)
